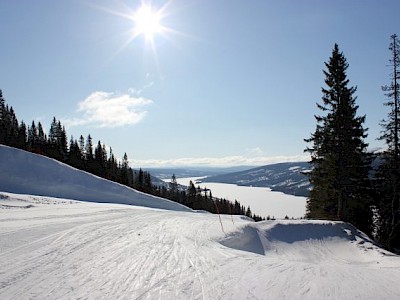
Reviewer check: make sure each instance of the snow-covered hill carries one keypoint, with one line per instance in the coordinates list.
(27, 173)
(54, 248)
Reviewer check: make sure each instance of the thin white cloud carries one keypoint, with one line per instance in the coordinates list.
(226, 161)
(103, 109)
(255, 151)
(139, 91)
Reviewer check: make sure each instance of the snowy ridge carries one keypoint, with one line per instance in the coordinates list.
(288, 178)
(23, 172)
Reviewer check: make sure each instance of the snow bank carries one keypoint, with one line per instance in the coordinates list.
(311, 240)
(23, 172)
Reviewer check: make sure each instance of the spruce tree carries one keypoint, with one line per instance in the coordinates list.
(33, 138)
(339, 158)
(173, 185)
(2, 119)
(22, 136)
(42, 139)
(388, 175)
(89, 157)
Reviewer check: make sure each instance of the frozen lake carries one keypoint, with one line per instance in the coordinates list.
(262, 201)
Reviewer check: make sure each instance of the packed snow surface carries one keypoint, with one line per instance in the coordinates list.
(63, 249)
(55, 248)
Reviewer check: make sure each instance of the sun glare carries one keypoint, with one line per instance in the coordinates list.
(147, 22)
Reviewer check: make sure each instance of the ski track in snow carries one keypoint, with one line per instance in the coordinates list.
(61, 249)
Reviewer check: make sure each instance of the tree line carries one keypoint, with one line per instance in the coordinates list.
(83, 154)
(349, 183)
(80, 154)
(202, 199)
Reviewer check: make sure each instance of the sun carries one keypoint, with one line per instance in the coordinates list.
(147, 22)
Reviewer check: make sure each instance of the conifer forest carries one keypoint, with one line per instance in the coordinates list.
(83, 154)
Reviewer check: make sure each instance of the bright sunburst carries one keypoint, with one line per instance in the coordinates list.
(147, 22)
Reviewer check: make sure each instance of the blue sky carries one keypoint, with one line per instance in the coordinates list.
(229, 83)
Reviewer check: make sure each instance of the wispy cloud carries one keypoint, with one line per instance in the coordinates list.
(255, 151)
(103, 109)
(226, 161)
(139, 91)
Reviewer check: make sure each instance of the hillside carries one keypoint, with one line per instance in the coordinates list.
(58, 248)
(166, 173)
(288, 178)
(27, 173)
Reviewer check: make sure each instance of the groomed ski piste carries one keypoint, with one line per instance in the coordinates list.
(53, 246)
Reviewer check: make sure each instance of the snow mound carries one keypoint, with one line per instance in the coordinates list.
(23, 172)
(306, 240)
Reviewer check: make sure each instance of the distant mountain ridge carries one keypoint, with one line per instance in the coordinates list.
(181, 172)
(289, 178)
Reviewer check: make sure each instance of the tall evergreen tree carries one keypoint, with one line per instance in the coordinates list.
(33, 139)
(2, 118)
(112, 167)
(388, 175)
(42, 139)
(22, 136)
(89, 157)
(57, 142)
(127, 174)
(173, 185)
(75, 157)
(12, 127)
(82, 145)
(100, 160)
(338, 153)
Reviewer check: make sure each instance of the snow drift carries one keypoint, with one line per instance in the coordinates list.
(27, 173)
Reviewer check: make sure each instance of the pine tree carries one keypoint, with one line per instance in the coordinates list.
(100, 160)
(391, 126)
(89, 157)
(388, 175)
(42, 140)
(63, 142)
(2, 118)
(338, 153)
(75, 157)
(148, 186)
(81, 144)
(22, 136)
(112, 167)
(57, 142)
(127, 174)
(12, 127)
(173, 185)
(33, 138)
(8, 124)
(53, 140)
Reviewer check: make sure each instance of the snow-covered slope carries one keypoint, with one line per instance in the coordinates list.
(61, 249)
(27, 173)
